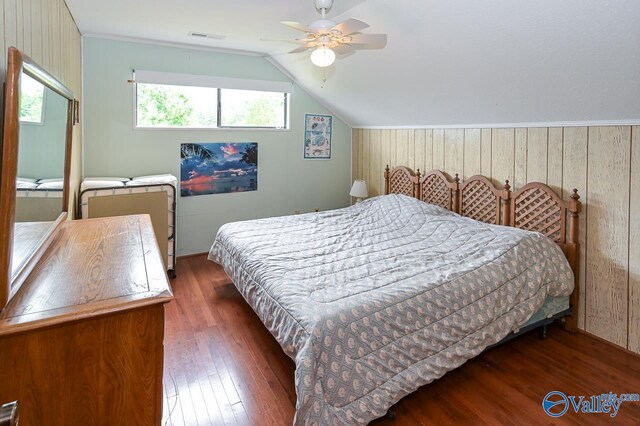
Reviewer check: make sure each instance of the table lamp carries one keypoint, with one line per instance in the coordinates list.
(359, 190)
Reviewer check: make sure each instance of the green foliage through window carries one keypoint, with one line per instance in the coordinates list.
(31, 100)
(248, 108)
(169, 106)
(176, 106)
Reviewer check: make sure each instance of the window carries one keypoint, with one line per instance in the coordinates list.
(160, 105)
(31, 100)
(250, 108)
(165, 100)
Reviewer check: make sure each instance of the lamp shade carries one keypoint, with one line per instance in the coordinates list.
(323, 57)
(359, 189)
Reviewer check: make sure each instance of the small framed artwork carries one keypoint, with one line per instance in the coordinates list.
(317, 136)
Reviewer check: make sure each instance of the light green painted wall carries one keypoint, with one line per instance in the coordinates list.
(286, 181)
(41, 154)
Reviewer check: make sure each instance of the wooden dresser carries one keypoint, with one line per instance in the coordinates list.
(82, 341)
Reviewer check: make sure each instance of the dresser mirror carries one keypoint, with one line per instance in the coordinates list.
(34, 186)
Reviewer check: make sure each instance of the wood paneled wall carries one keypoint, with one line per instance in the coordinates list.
(602, 162)
(46, 32)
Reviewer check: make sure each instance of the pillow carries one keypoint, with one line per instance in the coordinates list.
(56, 184)
(107, 179)
(155, 179)
(96, 184)
(25, 185)
(26, 180)
(52, 180)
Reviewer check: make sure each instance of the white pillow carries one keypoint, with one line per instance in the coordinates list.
(40, 181)
(107, 179)
(95, 184)
(26, 180)
(153, 179)
(25, 185)
(57, 184)
(147, 177)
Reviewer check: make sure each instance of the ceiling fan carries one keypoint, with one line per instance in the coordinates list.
(328, 37)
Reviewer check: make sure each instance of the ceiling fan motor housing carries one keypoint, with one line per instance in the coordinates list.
(321, 25)
(323, 4)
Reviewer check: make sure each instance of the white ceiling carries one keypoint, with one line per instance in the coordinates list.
(448, 62)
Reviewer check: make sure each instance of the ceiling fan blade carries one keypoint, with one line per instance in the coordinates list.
(350, 26)
(302, 48)
(296, 26)
(368, 41)
(346, 55)
(343, 49)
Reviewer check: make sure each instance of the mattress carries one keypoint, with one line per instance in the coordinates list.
(38, 203)
(375, 300)
(154, 195)
(551, 307)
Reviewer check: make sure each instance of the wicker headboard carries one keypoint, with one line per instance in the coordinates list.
(435, 188)
(401, 180)
(482, 201)
(536, 207)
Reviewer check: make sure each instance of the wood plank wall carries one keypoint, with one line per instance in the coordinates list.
(45, 31)
(602, 162)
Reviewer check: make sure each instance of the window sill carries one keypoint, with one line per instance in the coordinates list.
(212, 129)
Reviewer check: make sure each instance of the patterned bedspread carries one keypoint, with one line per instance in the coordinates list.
(375, 300)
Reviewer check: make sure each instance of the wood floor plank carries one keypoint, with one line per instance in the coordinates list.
(229, 370)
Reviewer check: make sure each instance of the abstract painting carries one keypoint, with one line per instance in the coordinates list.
(317, 136)
(218, 168)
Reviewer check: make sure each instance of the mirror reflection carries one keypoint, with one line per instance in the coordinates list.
(41, 159)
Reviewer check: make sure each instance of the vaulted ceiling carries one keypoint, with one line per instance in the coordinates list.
(447, 62)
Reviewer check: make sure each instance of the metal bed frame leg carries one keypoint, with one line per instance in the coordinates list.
(543, 331)
(391, 415)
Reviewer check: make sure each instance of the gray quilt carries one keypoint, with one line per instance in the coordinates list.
(375, 300)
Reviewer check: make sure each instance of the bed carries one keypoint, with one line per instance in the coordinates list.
(38, 200)
(154, 195)
(380, 298)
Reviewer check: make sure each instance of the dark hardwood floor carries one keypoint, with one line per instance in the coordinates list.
(222, 367)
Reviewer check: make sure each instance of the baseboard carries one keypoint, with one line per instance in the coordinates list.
(187, 256)
(637, 355)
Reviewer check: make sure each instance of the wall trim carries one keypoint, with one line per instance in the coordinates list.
(592, 123)
(155, 42)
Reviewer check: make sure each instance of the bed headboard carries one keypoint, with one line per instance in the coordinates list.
(482, 201)
(400, 180)
(435, 188)
(534, 207)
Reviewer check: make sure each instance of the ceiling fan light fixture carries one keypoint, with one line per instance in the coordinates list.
(323, 57)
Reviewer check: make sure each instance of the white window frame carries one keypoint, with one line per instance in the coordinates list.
(178, 79)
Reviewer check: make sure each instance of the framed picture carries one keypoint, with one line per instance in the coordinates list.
(218, 168)
(317, 136)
